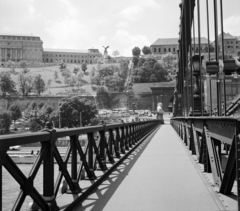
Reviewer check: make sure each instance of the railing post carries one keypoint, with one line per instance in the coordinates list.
(2, 158)
(122, 140)
(102, 147)
(48, 169)
(92, 175)
(117, 143)
(111, 142)
(74, 174)
(237, 148)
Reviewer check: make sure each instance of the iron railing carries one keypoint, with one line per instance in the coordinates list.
(208, 138)
(114, 141)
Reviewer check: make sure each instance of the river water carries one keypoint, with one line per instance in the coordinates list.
(11, 189)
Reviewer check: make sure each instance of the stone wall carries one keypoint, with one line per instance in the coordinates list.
(25, 101)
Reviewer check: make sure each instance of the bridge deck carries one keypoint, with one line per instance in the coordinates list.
(162, 175)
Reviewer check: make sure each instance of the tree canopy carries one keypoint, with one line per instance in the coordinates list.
(70, 109)
(5, 120)
(6, 83)
(15, 112)
(84, 66)
(39, 84)
(115, 53)
(136, 51)
(146, 50)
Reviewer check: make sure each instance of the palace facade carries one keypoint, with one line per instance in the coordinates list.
(20, 47)
(30, 48)
(70, 56)
(170, 45)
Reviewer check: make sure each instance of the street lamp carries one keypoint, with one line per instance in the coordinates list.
(197, 95)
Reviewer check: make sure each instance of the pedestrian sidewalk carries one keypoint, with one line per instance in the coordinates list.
(160, 175)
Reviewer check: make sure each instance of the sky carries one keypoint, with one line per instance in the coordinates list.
(121, 25)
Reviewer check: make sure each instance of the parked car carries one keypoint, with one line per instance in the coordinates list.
(17, 147)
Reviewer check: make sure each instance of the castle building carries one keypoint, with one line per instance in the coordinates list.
(70, 56)
(231, 43)
(30, 48)
(170, 45)
(20, 47)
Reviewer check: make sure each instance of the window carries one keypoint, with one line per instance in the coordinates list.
(23, 38)
(169, 49)
(236, 46)
(60, 55)
(228, 46)
(231, 42)
(173, 49)
(159, 50)
(28, 38)
(18, 38)
(47, 60)
(165, 50)
(51, 60)
(155, 50)
(3, 37)
(227, 42)
(14, 38)
(63, 60)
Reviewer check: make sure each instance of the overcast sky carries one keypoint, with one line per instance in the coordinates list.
(122, 24)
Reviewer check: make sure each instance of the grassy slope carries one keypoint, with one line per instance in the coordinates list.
(48, 73)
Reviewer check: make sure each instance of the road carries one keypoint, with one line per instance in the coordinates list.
(28, 150)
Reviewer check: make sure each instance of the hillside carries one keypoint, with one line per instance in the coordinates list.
(57, 87)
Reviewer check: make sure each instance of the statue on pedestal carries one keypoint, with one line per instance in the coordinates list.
(105, 54)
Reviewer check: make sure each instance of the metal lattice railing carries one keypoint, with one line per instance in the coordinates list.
(114, 141)
(209, 138)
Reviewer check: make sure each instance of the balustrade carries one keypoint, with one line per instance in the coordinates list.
(121, 140)
(211, 139)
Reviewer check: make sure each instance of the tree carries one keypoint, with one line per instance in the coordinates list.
(84, 67)
(55, 75)
(49, 83)
(5, 120)
(72, 107)
(136, 51)
(15, 112)
(6, 83)
(116, 53)
(39, 84)
(23, 64)
(238, 53)
(146, 50)
(75, 70)
(135, 61)
(25, 83)
(153, 78)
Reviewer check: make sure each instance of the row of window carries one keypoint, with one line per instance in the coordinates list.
(19, 38)
(164, 50)
(60, 55)
(67, 60)
(232, 46)
(228, 42)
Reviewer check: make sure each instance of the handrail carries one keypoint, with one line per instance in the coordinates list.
(122, 137)
(207, 138)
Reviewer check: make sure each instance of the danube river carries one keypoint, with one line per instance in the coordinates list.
(11, 188)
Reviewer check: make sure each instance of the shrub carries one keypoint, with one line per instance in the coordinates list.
(5, 120)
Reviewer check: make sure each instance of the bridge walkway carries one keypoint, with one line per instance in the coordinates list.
(160, 174)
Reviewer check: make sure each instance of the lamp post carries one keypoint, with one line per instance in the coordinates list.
(179, 109)
(197, 92)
